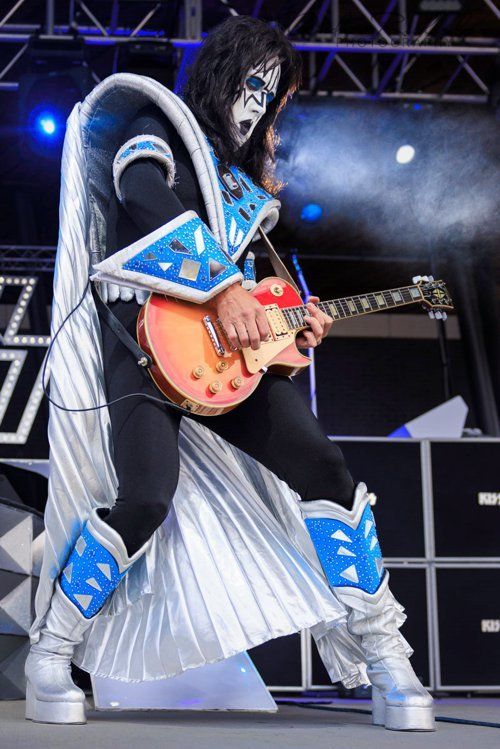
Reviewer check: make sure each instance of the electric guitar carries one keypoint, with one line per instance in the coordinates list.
(194, 365)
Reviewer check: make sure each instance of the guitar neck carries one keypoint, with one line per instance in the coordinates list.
(353, 306)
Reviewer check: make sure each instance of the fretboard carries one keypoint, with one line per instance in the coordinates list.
(351, 306)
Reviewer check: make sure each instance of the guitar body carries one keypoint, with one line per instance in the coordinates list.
(195, 367)
(193, 364)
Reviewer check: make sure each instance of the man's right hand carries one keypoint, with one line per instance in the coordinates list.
(242, 316)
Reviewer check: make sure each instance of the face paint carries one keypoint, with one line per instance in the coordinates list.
(258, 91)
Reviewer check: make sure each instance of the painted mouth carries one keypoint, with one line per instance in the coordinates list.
(245, 126)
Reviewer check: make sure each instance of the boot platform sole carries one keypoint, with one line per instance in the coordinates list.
(41, 711)
(401, 717)
(409, 718)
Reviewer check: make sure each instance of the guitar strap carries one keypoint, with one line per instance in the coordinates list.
(142, 358)
(279, 266)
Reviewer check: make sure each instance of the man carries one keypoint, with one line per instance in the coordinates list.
(191, 183)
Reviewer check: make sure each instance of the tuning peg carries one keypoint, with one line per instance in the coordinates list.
(444, 316)
(416, 279)
(430, 278)
(438, 314)
(432, 314)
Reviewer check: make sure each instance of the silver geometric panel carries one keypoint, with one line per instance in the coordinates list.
(13, 653)
(15, 603)
(16, 528)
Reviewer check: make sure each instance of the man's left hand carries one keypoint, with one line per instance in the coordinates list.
(319, 324)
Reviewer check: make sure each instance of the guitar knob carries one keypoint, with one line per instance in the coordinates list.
(215, 386)
(237, 382)
(198, 371)
(221, 366)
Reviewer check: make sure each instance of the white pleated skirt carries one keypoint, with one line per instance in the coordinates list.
(227, 570)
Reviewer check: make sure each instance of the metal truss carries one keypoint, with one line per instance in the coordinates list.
(392, 43)
(26, 259)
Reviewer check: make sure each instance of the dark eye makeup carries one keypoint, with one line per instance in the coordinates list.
(255, 84)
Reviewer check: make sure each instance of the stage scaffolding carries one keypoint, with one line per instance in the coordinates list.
(329, 34)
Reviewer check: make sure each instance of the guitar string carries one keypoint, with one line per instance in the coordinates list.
(291, 313)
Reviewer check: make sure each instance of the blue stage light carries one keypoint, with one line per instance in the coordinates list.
(47, 125)
(311, 212)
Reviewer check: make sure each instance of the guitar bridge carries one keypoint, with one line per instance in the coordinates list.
(212, 332)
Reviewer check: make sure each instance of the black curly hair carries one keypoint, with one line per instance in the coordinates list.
(225, 57)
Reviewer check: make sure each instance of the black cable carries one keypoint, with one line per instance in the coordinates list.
(440, 719)
(162, 401)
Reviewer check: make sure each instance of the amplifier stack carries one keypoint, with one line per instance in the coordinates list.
(438, 519)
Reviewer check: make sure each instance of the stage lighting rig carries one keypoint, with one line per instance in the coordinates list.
(57, 78)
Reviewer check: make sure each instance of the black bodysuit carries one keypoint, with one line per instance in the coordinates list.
(274, 425)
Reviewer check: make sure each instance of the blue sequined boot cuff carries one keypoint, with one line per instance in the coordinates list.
(96, 565)
(346, 542)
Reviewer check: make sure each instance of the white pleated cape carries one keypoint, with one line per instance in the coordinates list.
(233, 564)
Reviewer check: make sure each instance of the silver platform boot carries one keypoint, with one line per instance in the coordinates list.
(95, 566)
(347, 546)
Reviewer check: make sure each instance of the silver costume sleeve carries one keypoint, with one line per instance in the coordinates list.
(143, 147)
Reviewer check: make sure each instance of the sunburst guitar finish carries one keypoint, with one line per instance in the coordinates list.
(195, 367)
(193, 363)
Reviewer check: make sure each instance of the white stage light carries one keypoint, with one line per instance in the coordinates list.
(405, 154)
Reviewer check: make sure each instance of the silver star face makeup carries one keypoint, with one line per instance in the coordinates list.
(252, 100)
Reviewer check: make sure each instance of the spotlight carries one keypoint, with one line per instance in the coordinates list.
(46, 124)
(311, 212)
(57, 77)
(405, 154)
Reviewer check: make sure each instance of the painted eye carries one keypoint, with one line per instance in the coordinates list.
(254, 83)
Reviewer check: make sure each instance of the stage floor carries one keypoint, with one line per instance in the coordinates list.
(293, 727)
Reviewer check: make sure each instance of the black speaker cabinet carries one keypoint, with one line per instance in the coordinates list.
(409, 586)
(22, 484)
(468, 614)
(279, 661)
(466, 490)
(392, 471)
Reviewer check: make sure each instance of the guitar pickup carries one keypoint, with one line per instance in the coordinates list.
(277, 322)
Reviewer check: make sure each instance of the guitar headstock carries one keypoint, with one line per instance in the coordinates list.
(435, 296)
